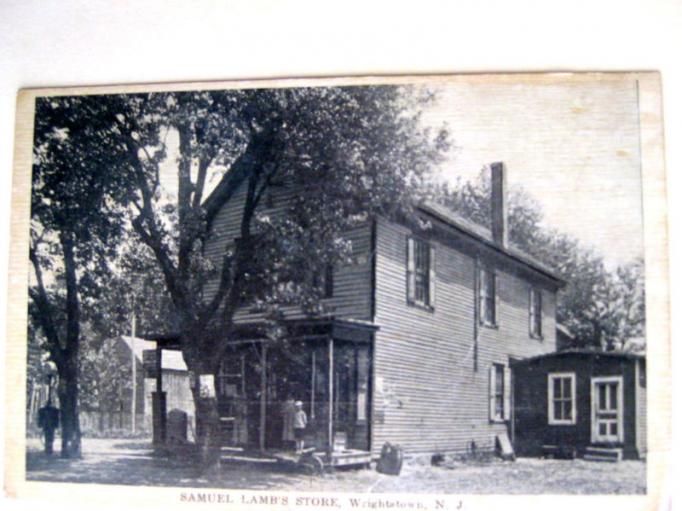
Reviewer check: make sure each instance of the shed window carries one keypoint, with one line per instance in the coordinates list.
(420, 273)
(487, 294)
(561, 398)
(535, 313)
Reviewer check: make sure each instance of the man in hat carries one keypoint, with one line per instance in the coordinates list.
(48, 420)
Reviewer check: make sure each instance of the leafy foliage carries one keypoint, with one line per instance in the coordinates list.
(76, 219)
(602, 309)
(349, 152)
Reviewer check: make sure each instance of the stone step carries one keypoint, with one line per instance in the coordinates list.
(605, 453)
(593, 457)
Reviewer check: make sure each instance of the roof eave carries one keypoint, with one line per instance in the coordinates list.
(429, 211)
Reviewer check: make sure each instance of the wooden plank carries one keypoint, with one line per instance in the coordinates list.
(506, 448)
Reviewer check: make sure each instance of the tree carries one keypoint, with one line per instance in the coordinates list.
(600, 308)
(133, 289)
(75, 220)
(350, 152)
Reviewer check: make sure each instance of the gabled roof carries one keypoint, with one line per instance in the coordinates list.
(231, 182)
(484, 235)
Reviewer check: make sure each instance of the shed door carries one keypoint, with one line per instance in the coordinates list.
(607, 409)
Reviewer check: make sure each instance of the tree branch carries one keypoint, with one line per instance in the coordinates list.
(204, 163)
(185, 239)
(41, 300)
(235, 176)
(146, 227)
(223, 286)
(153, 241)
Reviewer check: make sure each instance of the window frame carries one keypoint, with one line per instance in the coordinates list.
(499, 378)
(551, 398)
(487, 300)
(619, 410)
(535, 315)
(323, 281)
(427, 275)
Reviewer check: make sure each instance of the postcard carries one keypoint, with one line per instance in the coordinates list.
(408, 292)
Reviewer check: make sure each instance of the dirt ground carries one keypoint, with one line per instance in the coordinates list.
(108, 461)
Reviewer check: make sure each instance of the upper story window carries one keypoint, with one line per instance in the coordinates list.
(487, 296)
(561, 398)
(324, 281)
(421, 280)
(535, 313)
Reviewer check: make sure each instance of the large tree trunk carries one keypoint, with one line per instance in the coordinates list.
(209, 435)
(208, 430)
(68, 404)
(71, 435)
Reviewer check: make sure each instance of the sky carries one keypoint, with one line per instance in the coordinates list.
(572, 144)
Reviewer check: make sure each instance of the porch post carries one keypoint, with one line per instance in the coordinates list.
(263, 390)
(313, 385)
(159, 377)
(330, 425)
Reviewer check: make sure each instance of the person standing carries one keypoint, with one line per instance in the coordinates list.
(48, 420)
(300, 423)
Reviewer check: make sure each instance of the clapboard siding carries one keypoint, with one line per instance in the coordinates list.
(427, 395)
(352, 282)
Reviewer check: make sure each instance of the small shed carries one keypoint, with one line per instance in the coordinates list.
(582, 402)
(115, 414)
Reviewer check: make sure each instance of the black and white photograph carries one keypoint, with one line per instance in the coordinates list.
(417, 285)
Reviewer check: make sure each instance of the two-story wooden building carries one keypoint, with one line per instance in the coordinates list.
(416, 349)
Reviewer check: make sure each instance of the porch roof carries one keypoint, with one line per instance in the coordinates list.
(347, 329)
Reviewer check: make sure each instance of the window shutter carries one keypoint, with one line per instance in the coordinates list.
(574, 399)
(410, 270)
(507, 393)
(491, 396)
(477, 291)
(539, 311)
(481, 296)
(496, 291)
(550, 399)
(432, 276)
(531, 312)
(329, 281)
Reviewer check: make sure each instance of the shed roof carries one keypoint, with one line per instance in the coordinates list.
(171, 360)
(586, 353)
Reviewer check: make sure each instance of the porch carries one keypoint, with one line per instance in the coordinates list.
(324, 363)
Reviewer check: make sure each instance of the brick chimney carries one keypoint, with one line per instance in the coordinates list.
(498, 203)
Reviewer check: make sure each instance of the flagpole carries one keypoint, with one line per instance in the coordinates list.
(133, 401)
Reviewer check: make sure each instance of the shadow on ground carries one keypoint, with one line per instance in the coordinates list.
(128, 462)
(133, 463)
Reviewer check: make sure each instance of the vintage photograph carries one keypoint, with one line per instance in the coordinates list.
(419, 285)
